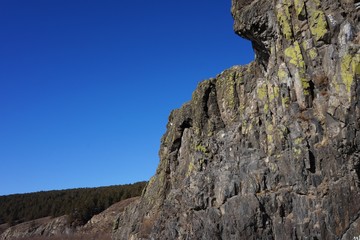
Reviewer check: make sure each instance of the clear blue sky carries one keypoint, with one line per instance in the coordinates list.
(86, 87)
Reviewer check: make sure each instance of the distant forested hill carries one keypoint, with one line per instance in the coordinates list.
(79, 204)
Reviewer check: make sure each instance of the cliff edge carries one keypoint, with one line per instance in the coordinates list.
(270, 150)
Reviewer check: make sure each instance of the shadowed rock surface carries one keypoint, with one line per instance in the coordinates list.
(270, 150)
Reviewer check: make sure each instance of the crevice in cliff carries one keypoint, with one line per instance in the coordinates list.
(262, 54)
(206, 100)
(312, 159)
(266, 222)
(187, 123)
(357, 170)
(211, 107)
(205, 109)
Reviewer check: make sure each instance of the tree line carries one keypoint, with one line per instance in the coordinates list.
(79, 204)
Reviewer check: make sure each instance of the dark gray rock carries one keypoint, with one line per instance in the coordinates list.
(270, 150)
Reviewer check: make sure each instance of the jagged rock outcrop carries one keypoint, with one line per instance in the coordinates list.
(270, 150)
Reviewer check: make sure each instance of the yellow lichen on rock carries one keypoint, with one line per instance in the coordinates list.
(294, 53)
(349, 67)
(274, 93)
(190, 169)
(318, 24)
(310, 50)
(299, 6)
(285, 101)
(262, 92)
(284, 18)
(282, 74)
(201, 148)
(296, 59)
(312, 53)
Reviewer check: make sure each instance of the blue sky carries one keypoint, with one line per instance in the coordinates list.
(86, 86)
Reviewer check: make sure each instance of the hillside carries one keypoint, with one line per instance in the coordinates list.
(270, 150)
(99, 227)
(79, 204)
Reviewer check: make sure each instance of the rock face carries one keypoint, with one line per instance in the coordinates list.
(270, 150)
(103, 223)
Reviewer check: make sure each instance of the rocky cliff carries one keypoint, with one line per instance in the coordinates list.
(270, 150)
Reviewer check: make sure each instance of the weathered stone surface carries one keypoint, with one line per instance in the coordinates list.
(270, 150)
